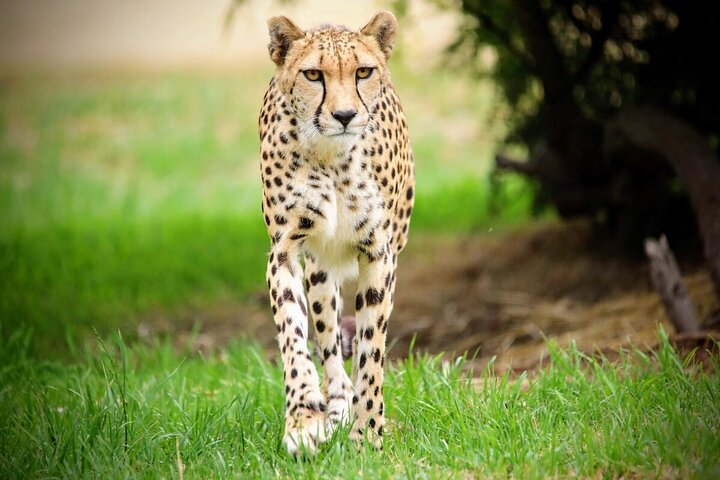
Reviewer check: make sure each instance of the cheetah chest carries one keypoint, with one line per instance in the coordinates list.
(352, 208)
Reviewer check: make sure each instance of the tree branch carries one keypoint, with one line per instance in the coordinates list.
(504, 162)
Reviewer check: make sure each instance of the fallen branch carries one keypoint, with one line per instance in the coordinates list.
(667, 281)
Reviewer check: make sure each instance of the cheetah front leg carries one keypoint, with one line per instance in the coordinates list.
(305, 426)
(373, 305)
(326, 305)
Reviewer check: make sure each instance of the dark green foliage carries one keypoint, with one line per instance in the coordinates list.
(564, 69)
(613, 54)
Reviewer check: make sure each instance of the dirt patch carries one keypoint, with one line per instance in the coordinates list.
(498, 296)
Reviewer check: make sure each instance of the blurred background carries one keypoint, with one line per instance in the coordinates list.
(130, 193)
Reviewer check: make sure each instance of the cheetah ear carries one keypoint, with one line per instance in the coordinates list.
(283, 32)
(382, 28)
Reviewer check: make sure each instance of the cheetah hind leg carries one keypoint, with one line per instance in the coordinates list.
(347, 326)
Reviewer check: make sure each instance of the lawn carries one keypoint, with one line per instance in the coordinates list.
(143, 411)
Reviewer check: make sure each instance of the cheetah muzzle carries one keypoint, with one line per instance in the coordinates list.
(338, 181)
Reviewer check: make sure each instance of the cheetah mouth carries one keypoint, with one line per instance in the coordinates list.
(347, 132)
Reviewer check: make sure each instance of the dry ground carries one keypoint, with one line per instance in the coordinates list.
(492, 295)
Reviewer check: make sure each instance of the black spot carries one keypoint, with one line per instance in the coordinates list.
(333, 303)
(319, 277)
(280, 220)
(369, 333)
(305, 223)
(299, 333)
(376, 355)
(320, 326)
(293, 373)
(288, 295)
(363, 359)
(317, 308)
(278, 181)
(358, 302)
(373, 296)
(372, 423)
(369, 404)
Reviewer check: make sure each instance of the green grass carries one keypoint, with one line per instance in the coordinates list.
(129, 411)
(125, 193)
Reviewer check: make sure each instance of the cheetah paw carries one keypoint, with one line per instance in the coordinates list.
(338, 409)
(360, 439)
(305, 438)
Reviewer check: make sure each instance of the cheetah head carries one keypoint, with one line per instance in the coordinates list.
(332, 77)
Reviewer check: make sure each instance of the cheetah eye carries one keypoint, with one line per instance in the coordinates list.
(364, 72)
(312, 75)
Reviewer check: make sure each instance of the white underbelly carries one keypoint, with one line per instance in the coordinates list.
(339, 258)
(335, 246)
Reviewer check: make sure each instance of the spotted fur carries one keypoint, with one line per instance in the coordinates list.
(338, 178)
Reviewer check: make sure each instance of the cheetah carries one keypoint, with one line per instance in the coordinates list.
(338, 180)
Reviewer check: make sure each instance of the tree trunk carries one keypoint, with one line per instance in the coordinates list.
(663, 136)
(570, 164)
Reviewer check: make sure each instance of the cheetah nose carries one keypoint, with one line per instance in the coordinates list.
(344, 116)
